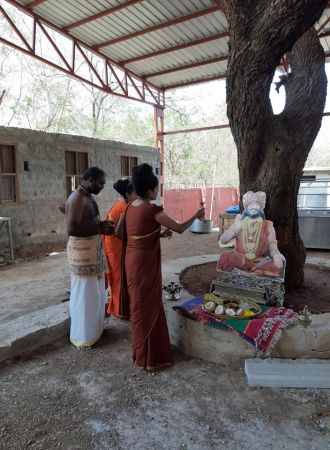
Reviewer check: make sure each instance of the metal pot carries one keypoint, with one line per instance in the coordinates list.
(201, 226)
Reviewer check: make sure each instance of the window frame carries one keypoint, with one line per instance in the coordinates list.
(77, 176)
(130, 165)
(10, 174)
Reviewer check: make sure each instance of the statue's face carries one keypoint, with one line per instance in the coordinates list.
(253, 209)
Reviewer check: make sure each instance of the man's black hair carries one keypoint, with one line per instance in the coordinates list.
(93, 172)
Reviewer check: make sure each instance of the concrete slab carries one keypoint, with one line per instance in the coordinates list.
(301, 373)
(311, 342)
(318, 261)
(33, 330)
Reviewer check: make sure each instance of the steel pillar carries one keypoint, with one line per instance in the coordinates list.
(159, 142)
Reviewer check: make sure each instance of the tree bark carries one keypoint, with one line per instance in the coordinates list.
(272, 149)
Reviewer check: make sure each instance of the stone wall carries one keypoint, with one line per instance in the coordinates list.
(42, 188)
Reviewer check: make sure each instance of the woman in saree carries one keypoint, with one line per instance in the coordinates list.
(150, 338)
(114, 247)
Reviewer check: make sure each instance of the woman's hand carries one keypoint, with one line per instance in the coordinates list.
(166, 234)
(107, 227)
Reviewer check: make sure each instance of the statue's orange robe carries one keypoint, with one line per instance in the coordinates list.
(261, 264)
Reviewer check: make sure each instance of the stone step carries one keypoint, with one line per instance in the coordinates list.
(33, 330)
(298, 373)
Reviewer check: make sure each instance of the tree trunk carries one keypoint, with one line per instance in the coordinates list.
(272, 149)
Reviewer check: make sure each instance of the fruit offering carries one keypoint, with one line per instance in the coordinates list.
(229, 308)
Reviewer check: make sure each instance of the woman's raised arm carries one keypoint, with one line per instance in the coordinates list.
(163, 219)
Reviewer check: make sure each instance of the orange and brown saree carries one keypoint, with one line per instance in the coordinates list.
(150, 339)
(113, 250)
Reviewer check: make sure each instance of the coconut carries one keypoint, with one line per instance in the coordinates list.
(209, 306)
(230, 312)
(219, 310)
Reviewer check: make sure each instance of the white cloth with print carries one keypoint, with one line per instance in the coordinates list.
(87, 307)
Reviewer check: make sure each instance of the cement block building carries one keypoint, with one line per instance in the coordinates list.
(38, 171)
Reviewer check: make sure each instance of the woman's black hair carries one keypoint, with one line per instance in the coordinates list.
(143, 179)
(123, 187)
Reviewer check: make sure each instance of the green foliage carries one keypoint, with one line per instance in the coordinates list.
(33, 95)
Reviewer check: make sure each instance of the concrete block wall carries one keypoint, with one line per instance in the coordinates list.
(35, 216)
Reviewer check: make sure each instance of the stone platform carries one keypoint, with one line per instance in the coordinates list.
(198, 340)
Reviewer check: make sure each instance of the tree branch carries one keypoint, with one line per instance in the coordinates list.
(253, 59)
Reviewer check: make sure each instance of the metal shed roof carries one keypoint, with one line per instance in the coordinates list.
(162, 43)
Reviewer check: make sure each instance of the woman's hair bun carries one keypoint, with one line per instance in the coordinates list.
(143, 170)
(143, 179)
(123, 187)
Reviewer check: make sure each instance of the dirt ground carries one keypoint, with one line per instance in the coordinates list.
(185, 245)
(315, 292)
(58, 397)
(36, 280)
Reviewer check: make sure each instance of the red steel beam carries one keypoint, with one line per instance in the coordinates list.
(157, 98)
(190, 83)
(34, 4)
(218, 3)
(213, 127)
(192, 130)
(14, 27)
(106, 12)
(160, 26)
(187, 66)
(175, 48)
(323, 25)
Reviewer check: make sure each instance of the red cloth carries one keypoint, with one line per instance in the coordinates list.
(263, 331)
(150, 339)
(261, 265)
(113, 250)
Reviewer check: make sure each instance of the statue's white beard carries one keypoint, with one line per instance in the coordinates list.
(255, 215)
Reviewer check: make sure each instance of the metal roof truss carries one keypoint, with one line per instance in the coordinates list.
(55, 47)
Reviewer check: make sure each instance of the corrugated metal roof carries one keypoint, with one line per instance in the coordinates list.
(141, 15)
(325, 29)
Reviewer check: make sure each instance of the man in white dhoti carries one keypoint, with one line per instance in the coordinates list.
(87, 260)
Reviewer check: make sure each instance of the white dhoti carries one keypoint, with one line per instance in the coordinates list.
(88, 294)
(87, 306)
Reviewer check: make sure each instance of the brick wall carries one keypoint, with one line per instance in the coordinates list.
(41, 189)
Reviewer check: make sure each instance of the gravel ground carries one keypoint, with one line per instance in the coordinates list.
(59, 397)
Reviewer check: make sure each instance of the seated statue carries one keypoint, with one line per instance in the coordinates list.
(256, 246)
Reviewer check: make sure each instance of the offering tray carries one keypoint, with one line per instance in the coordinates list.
(230, 308)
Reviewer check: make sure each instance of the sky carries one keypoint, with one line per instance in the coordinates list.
(207, 96)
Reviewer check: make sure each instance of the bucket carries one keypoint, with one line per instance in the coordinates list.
(201, 226)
